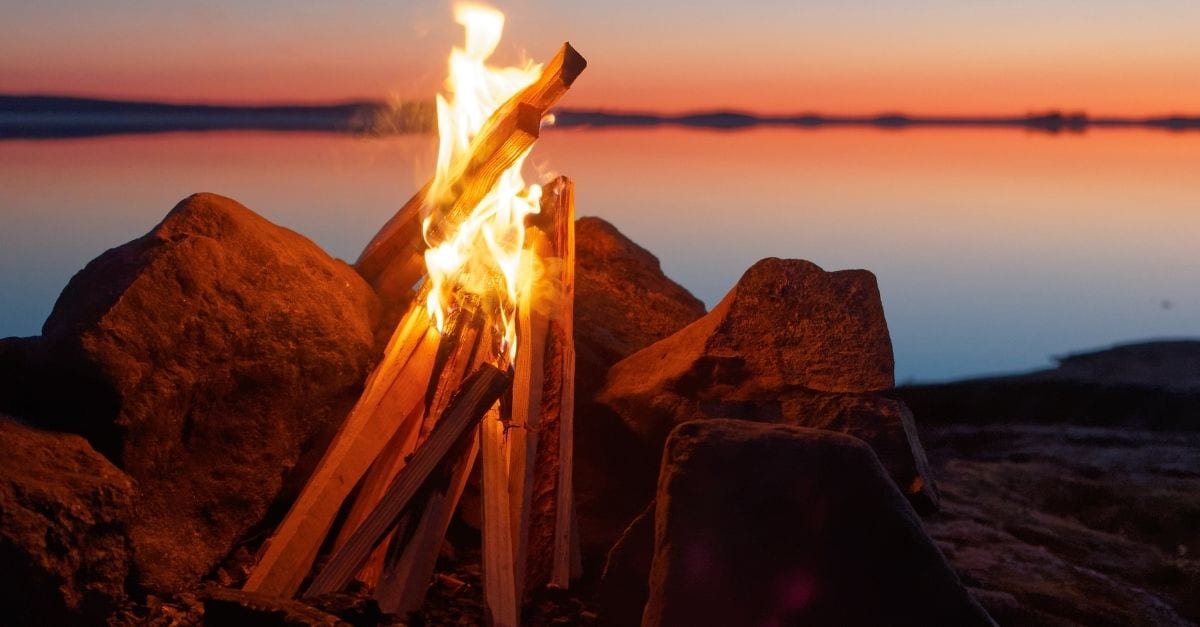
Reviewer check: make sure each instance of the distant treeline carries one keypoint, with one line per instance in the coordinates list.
(26, 117)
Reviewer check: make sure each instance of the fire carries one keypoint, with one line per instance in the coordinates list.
(484, 253)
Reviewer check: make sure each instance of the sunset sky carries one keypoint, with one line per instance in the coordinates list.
(859, 56)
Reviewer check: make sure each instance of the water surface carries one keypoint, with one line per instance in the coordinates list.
(994, 249)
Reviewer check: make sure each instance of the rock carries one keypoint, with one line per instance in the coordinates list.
(787, 325)
(1058, 524)
(624, 584)
(204, 358)
(761, 524)
(790, 343)
(64, 509)
(881, 421)
(623, 303)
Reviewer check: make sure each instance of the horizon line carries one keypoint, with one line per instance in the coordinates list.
(606, 110)
(60, 117)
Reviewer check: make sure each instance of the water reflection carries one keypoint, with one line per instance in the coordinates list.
(994, 248)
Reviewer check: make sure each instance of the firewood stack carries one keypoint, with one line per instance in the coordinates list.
(377, 507)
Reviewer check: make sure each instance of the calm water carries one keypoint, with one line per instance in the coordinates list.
(994, 248)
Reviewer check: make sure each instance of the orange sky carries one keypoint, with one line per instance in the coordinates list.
(864, 56)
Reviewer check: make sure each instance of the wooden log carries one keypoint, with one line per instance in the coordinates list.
(392, 262)
(533, 324)
(394, 390)
(456, 353)
(499, 587)
(549, 504)
(409, 564)
(479, 392)
(566, 536)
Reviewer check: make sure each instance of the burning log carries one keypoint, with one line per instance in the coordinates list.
(475, 250)
(395, 389)
(409, 562)
(479, 392)
(541, 452)
(456, 353)
(392, 261)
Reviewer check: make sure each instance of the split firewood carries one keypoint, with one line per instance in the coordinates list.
(533, 325)
(549, 498)
(501, 598)
(390, 403)
(392, 262)
(456, 354)
(410, 561)
(478, 393)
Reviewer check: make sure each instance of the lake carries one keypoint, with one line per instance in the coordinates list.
(994, 248)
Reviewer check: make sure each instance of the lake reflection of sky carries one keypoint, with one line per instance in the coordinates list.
(993, 248)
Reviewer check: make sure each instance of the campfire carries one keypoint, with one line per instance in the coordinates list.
(478, 269)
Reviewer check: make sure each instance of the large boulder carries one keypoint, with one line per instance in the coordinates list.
(623, 303)
(790, 343)
(64, 510)
(203, 358)
(760, 524)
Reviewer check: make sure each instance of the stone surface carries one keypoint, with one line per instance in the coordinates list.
(625, 582)
(623, 303)
(791, 344)
(64, 509)
(761, 524)
(787, 325)
(204, 357)
(1059, 524)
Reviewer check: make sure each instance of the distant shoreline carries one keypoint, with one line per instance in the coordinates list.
(56, 117)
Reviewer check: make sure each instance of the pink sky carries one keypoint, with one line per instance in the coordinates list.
(930, 56)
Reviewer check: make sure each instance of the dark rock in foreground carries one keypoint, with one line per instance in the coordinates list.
(790, 343)
(625, 582)
(1058, 524)
(769, 524)
(63, 516)
(203, 358)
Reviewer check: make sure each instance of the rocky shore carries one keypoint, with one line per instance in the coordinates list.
(753, 464)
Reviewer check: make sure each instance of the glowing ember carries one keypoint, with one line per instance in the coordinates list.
(484, 253)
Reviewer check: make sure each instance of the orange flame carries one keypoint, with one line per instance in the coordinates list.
(484, 254)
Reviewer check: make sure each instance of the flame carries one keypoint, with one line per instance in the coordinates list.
(484, 253)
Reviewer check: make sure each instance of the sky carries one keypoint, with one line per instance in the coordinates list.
(772, 56)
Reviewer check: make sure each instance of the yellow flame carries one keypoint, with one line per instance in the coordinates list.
(481, 254)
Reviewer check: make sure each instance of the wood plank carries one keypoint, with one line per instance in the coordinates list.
(405, 569)
(455, 353)
(533, 323)
(393, 391)
(499, 587)
(566, 539)
(406, 574)
(479, 392)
